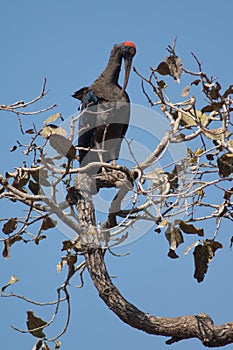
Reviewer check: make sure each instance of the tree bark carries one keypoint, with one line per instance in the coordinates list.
(198, 326)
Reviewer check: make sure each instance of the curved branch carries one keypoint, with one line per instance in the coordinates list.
(199, 326)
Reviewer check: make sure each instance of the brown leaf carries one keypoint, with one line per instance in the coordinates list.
(12, 280)
(67, 245)
(58, 345)
(21, 180)
(201, 262)
(215, 106)
(39, 238)
(8, 243)
(227, 195)
(10, 226)
(231, 243)
(34, 187)
(229, 91)
(215, 134)
(185, 91)
(175, 66)
(173, 178)
(6, 250)
(14, 148)
(225, 165)
(71, 260)
(210, 156)
(47, 223)
(175, 238)
(190, 229)
(162, 84)
(30, 131)
(163, 68)
(214, 92)
(172, 254)
(196, 82)
(207, 108)
(34, 322)
(203, 254)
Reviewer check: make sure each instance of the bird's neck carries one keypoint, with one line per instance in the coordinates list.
(111, 73)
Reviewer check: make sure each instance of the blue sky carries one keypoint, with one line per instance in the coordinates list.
(68, 42)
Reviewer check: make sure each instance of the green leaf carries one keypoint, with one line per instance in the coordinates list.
(189, 121)
(202, 117)
(52, 129)
(52, 118)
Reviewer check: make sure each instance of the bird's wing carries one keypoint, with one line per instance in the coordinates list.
(87, 124)
(79, 94)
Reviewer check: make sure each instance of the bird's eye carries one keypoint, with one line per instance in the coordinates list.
(132, 51)
(128, 51)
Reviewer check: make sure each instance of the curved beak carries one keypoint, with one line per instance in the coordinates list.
(128, 63)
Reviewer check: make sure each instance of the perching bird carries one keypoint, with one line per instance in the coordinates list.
(105, 109)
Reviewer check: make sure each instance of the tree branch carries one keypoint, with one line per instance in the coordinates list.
(200, 326)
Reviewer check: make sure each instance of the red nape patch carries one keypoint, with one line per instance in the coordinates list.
(129, 43)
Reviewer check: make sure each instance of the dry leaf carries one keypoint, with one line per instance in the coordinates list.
(12, 280)
(203, 254)
(52, 118)
(191, 229)
(10, 226)
(185, 91)
(34, 322)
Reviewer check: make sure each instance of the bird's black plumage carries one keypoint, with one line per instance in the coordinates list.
(105, 109)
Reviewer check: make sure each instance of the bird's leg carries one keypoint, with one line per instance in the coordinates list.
(102, 147)
(103, 170)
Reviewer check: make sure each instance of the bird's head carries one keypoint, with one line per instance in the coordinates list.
(128, 49)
